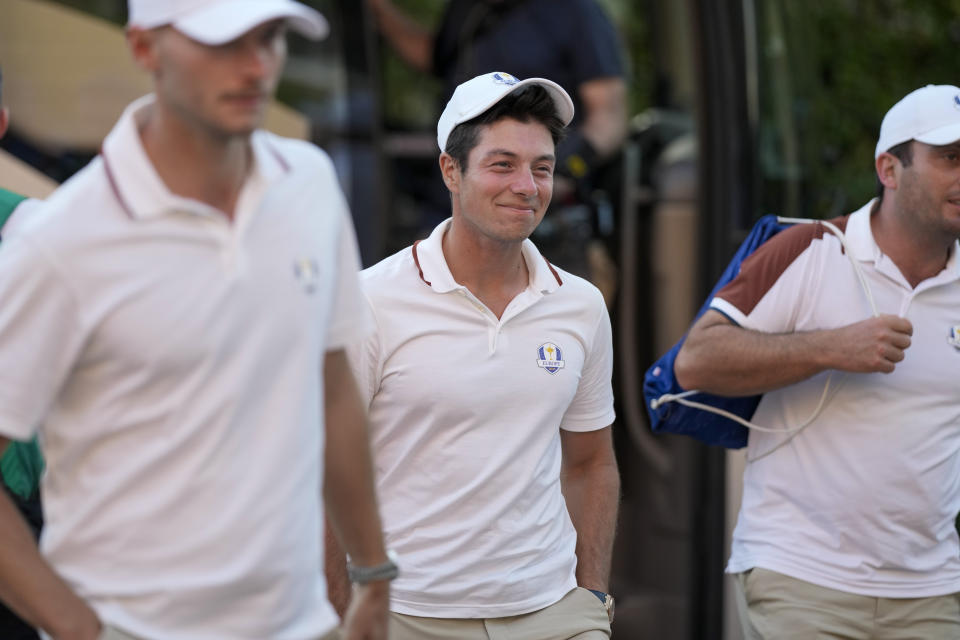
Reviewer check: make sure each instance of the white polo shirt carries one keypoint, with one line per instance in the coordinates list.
(465, 412)
(19, 215)
(864, 499)
(174, 360)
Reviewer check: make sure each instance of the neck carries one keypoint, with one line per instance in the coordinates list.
(920, 253)
(194, 162)
(493, 271)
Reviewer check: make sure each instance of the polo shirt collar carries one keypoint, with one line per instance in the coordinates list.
(864, 247)
(138, 186)
(435, 271)
(859, 235)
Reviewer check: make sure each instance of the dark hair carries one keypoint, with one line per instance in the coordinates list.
(530, 102)
(904, 153)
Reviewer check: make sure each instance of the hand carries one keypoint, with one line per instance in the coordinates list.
(86, 627)
(872, 345)
(369, 611)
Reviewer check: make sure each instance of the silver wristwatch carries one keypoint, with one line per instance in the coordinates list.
(384, 571)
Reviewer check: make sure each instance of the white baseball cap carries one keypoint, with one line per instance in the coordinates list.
(475, 96)
(216, 22)
(930, 115)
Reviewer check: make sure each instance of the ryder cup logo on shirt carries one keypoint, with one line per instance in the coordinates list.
(504, 78)
(550, 358)
(307, 272)
(954, 337)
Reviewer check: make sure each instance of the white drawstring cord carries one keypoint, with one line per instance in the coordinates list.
(792, 432)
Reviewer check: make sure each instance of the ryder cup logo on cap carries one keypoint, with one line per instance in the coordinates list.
(475, 96)
(930, 115)
(215, 22)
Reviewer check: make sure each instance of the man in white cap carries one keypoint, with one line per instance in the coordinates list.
(847, 527)
(488, 387)
(178, 313)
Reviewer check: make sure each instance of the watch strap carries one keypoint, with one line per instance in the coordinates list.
(384, 571)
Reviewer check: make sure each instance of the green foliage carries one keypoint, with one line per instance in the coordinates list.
(410, 97)
(830, 69)
(630, 19)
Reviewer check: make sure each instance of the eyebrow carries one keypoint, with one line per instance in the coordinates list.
(953, 146)
(510, 154)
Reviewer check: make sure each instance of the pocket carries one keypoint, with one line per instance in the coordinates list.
(744, 579)
(595, 605)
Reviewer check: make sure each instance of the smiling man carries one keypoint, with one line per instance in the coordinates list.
(488, 385)
(178, 313)
(847, 527)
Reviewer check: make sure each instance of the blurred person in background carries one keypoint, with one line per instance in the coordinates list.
(572, 42)
(22, 463)
(177, 313)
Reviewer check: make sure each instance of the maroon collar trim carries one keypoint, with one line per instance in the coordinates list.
(416, 261)
(114, 188)
(280, 159)
(554, 272)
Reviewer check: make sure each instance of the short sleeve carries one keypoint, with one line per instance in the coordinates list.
(41, 334)
(350, 316)
(364, 358)
(765, 294)
(592, 406)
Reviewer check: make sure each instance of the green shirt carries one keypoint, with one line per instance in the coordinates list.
(22, 464)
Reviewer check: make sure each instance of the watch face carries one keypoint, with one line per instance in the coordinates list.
(609, 603)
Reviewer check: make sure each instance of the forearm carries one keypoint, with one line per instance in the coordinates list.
(335, 567)
(729, 360)
(605, 123)
(412, 42)
(592, 494)
(349, 494)
(29, 586)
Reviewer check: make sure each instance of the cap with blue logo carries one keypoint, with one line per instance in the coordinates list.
(930, 115)
(475, 96)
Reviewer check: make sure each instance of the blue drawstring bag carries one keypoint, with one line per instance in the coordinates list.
(672, 417)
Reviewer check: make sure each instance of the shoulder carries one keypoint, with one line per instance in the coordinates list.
(82, 203)
(785, 247)
(589, 10)
(580, 289)
(392, 275)
(296, 154)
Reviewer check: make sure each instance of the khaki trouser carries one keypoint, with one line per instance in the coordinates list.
(773, 606)
(579, 615)
(111, 633)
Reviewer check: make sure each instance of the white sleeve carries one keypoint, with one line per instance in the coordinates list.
(349, 315)
(768, 293)
(364, 357)
(41, 334)
(592, 406)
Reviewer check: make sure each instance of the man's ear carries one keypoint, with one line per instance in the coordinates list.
(887, 166)
(450, 170)
(4, 120)
(143, 45)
